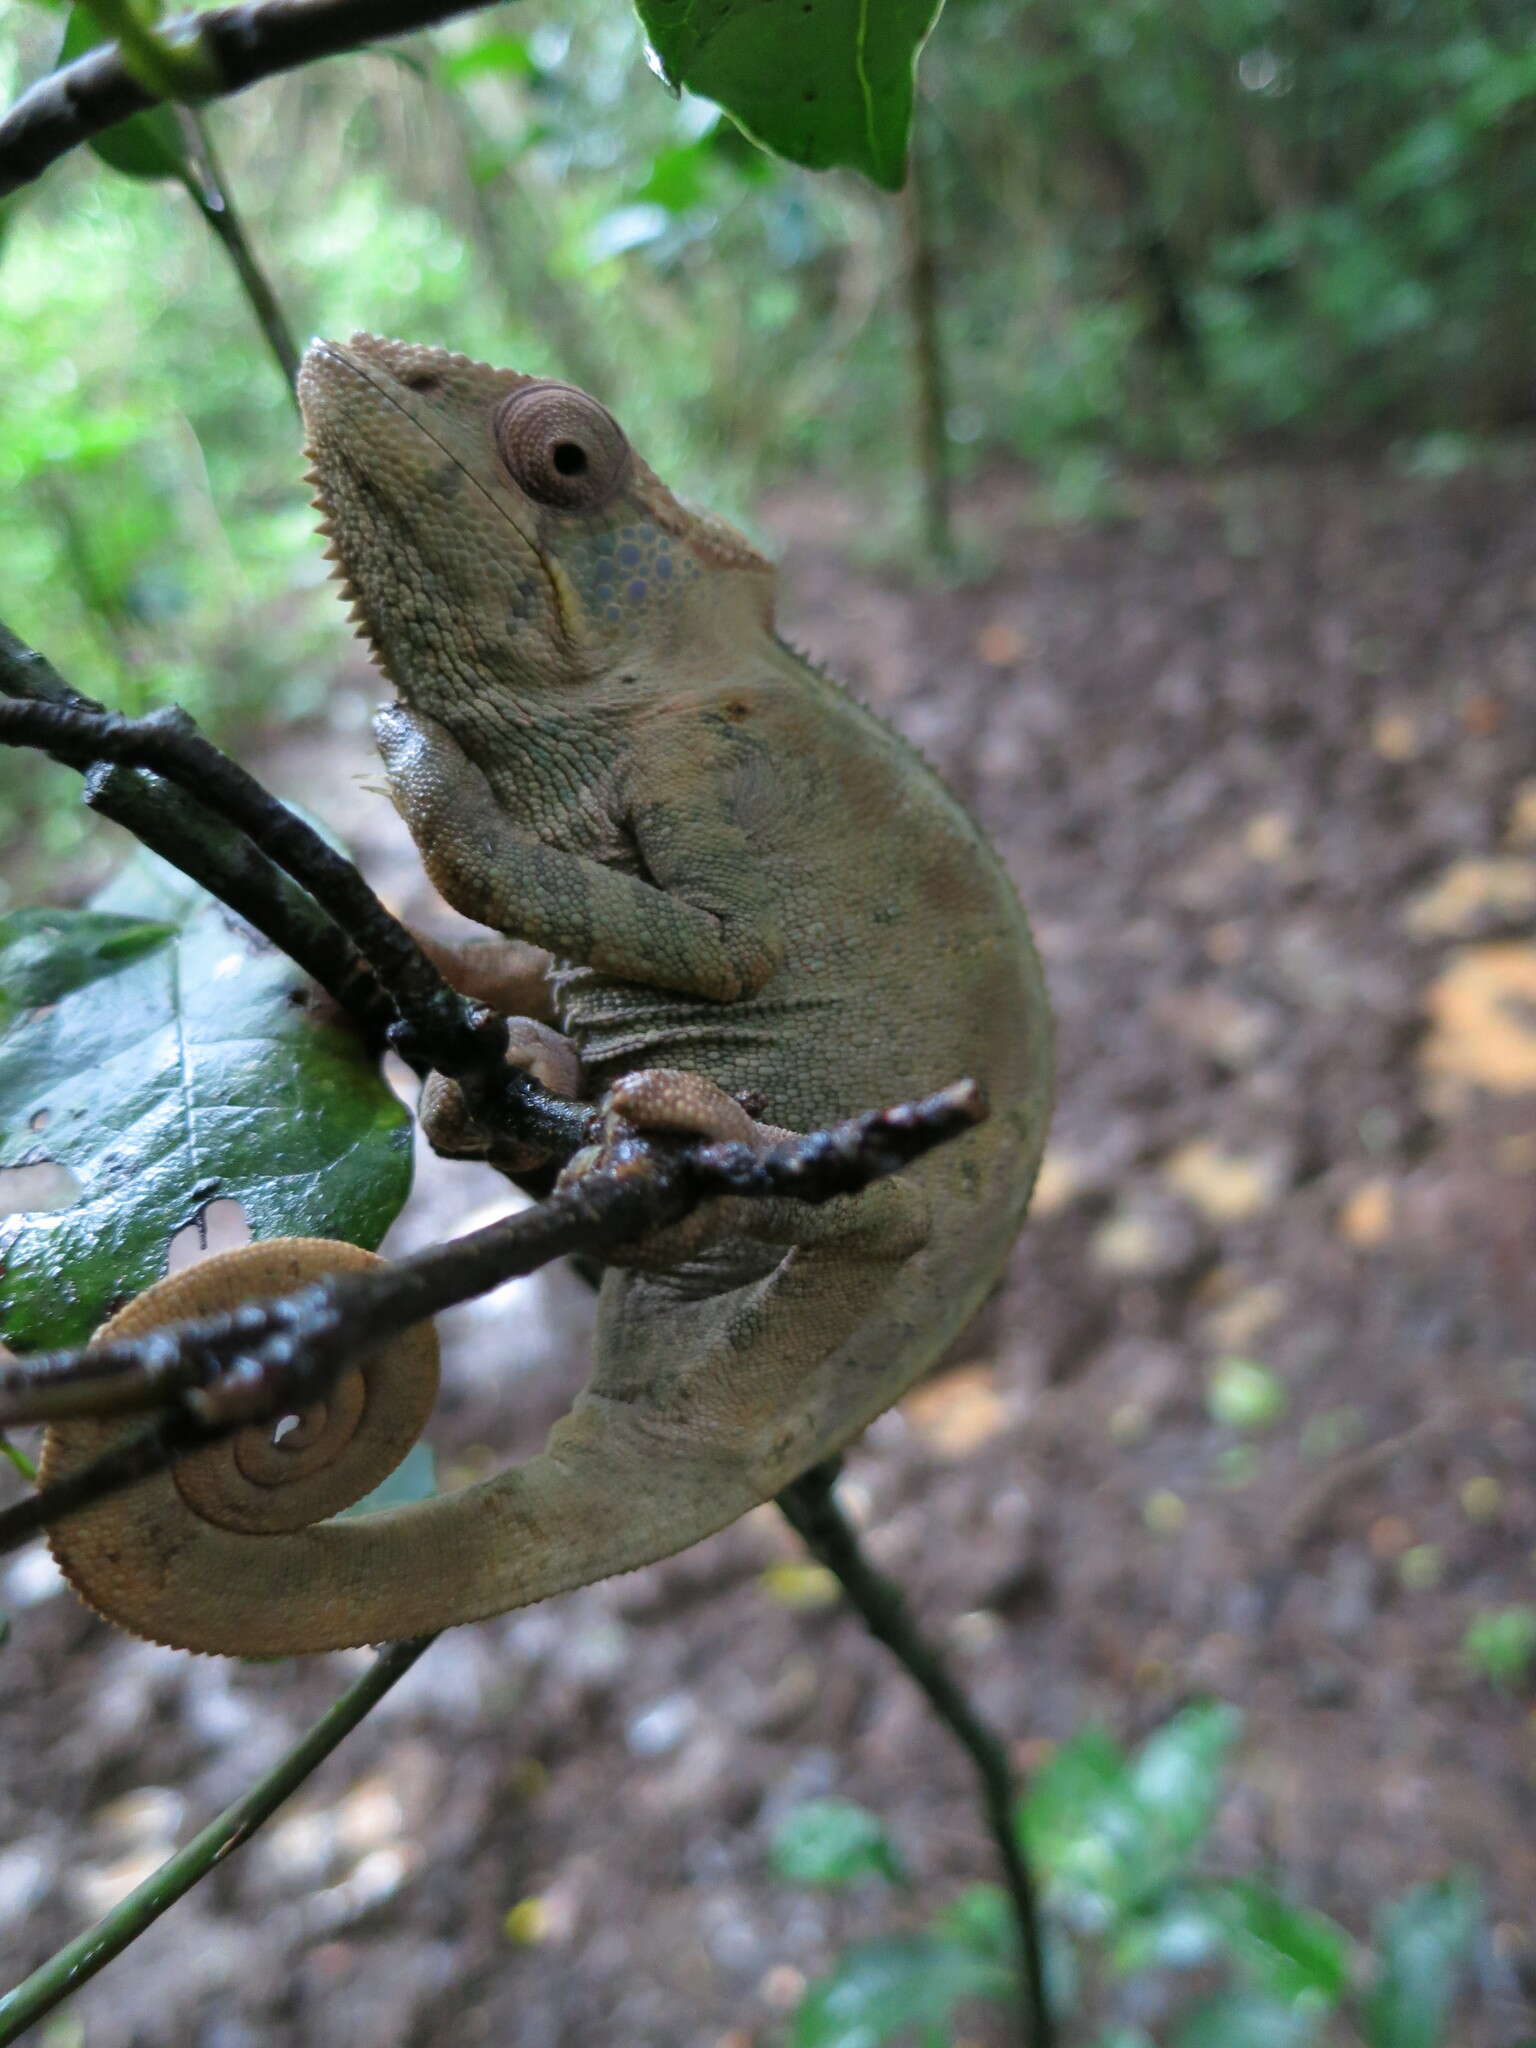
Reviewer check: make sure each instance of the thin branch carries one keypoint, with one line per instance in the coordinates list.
(810, 1507)
(210, 194)
(65, 1971)
(264, 1358)
(220, 52)
(441, 1029)
(216, 856)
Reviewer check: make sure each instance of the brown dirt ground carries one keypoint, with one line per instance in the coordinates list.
(1262, 755)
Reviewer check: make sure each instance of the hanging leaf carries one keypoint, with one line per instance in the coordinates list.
(821, 82)
(178, 1060)
(147, 145)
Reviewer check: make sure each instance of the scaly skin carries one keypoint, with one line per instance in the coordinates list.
(601, 747)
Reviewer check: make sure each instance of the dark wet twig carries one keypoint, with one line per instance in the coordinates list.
(205, 56)
(434, 1026)
(213, 854)
(810, 1507)
(67, 1969)
(215, 1374)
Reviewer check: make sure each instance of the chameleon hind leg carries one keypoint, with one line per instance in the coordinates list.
(721, 1327)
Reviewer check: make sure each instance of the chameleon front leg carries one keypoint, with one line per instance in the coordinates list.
(503, 875)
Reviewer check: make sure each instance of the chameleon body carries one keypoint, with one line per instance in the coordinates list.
(753, 892)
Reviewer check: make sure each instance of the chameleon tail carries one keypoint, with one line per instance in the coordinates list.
(233, 1551)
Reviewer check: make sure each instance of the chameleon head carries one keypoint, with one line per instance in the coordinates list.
(497, 531)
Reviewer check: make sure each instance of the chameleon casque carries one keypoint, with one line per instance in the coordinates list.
(751, 890)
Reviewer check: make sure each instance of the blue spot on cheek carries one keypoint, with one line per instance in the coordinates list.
(637, 591)
(629, 556)
(664, 568)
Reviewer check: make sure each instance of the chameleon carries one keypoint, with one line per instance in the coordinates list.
(743, 906)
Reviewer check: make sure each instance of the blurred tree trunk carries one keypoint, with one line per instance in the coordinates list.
(1127, 181)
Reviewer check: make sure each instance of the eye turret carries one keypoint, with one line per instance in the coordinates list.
(561, 447)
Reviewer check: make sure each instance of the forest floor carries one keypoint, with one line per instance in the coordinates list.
(1262, 757)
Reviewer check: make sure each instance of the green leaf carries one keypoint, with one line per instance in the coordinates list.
(147, 145)
(46, 953)
(1087, 1832)
(1180, 1932)
(833, 1841)
(679, 177)
(821, 82)
(1108, 1831)
(1423, 1940)
(981, 1921)
(1245, 2020)
(1500, 1645)
(1244, 1395)
(1286, 1951)
(892, 1990)
(194, 1069)
(1176, 1775)
(508, 55)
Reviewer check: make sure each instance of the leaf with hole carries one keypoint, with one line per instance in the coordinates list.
(822, 82)
(182, 1061)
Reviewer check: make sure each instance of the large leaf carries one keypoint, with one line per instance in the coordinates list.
(49, 952)
(1423, 1940)
(895, 1990)
(168, 1070)
(147, 145)
(821, 82)
(833, 1842)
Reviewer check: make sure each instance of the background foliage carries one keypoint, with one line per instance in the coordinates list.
(1164, 231)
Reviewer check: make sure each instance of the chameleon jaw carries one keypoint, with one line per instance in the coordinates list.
(358, 619)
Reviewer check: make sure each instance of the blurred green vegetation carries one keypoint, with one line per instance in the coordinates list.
(1164, 230)
(1143, 1944)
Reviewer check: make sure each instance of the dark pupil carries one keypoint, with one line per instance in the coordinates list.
(569, 458)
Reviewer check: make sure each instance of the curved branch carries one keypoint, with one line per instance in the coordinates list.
(224, 51)
(218, 1373)
(441, 1028)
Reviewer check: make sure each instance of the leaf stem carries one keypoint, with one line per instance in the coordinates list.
(171, 71)
(810, 1507)
(80, 1959)
(210, 194)
(18, 1458)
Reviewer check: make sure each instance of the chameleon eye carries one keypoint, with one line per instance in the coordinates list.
(560, 446)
